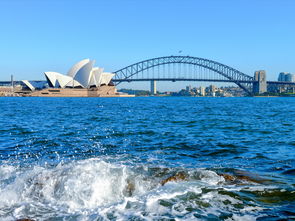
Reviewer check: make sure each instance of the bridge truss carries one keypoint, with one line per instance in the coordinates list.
(183, 68)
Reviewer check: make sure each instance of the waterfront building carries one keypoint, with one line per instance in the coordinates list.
(188, 88)
(153, 87)
(290, 77)
(202, 91)
(33, 85)
(82, 80)
(211, 90)
(80, 75)
(282, 76)
(287, 77)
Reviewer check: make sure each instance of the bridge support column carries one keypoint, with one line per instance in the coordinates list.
(260, 86)
(153, 87)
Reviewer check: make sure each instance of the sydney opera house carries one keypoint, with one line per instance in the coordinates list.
(82, 80)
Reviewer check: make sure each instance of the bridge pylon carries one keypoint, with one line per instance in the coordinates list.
(260, 86)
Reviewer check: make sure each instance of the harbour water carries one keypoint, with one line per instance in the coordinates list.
(147, 158)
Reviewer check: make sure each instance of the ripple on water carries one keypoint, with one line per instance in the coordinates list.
(147, 158)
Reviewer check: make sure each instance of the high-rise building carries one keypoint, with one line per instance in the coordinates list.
(282, 76)
(188, 88)
(202, 91)
(212, 88)
(288, 77)
(153, 87)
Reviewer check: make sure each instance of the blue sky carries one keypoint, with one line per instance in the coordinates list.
(51, 35)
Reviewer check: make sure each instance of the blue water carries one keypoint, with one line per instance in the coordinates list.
(120, 158)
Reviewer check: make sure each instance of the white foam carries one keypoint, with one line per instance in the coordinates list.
(6, 171)
(211, 177)
(236, 217)
(97, 188)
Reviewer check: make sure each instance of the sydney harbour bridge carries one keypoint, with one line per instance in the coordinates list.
(187, 68)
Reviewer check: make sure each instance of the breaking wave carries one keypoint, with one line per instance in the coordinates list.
(97, 189)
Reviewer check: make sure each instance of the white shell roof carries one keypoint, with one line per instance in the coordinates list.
(96, 76)
(81, 74)
(76, 67)
(51, 76)
(106, 78)
(56, 79)
(73, 83)
(29, 85)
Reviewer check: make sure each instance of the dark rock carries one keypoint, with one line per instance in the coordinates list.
(180, 176)
(25, 219)
(239, 175)
(129, 189)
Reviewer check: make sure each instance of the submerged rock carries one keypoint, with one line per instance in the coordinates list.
(25, 220)
(228, 177)
(129, 188)
(239, 176)
(179, 176)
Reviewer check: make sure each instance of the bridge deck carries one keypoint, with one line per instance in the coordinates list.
(179, 79)
(5, 83)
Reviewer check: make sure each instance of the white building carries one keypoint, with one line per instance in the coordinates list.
(202, 91)
(82, 75)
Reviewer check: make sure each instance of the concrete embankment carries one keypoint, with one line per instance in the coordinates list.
(8, 92)
(103, 91)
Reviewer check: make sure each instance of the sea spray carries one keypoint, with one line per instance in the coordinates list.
(147, 159)
(95, 186)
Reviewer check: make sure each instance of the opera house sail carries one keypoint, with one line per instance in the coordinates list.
(82, 75)
(82, 80)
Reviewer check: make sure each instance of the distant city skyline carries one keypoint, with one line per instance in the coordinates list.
(40, 36)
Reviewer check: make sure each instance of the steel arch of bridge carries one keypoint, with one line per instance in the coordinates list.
(230, 74)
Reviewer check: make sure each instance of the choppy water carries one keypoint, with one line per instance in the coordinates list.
(147, 158)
